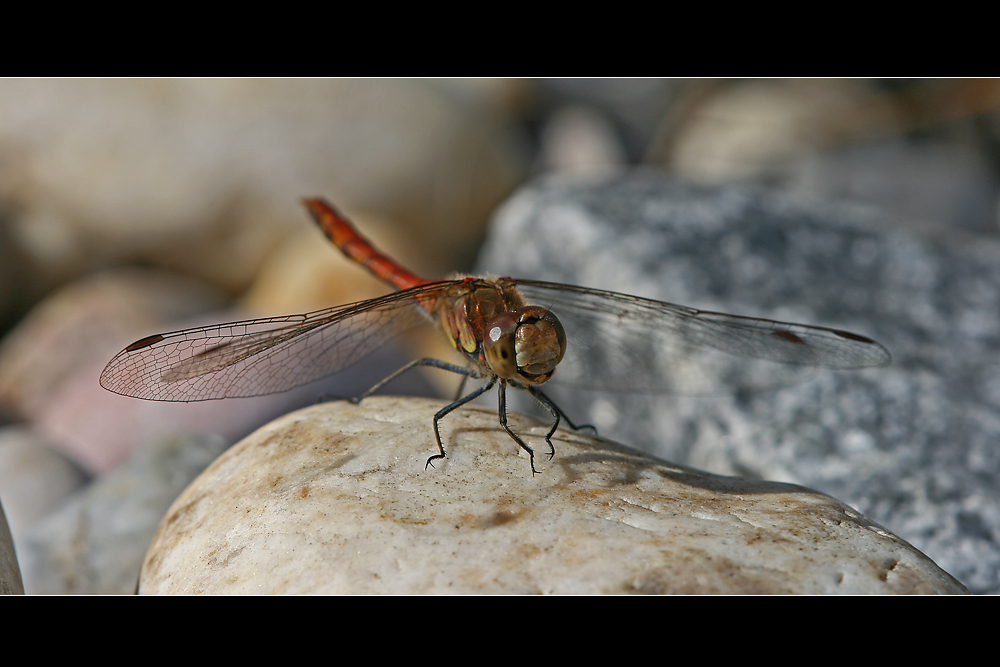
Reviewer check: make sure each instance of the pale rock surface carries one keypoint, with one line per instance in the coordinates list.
(203, 175)
(335, 499)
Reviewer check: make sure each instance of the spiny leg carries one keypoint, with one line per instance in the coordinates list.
(443, 365)
(461, 386)
(551, 406)
(503, 422)
(448, 408)
(547, 403)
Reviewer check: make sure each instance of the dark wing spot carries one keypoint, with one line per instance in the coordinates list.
(789, 336)
(145, 342)
(851, 336)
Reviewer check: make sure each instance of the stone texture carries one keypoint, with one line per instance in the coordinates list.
(35, 479)
(335, 499)
(913, 445)
(920, 151)
(94, 544)
(10, 574)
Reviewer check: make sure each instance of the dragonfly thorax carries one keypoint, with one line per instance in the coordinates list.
(489, 323)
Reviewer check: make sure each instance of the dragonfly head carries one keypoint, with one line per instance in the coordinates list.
(525, 344)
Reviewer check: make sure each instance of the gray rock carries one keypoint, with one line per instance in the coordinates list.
(913, 445)
(95, 543)
(35, 478)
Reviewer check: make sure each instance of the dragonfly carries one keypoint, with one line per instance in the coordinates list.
(510, 332)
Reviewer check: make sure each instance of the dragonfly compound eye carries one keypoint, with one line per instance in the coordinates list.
(498, 345)
(539, 344)
(526, 344)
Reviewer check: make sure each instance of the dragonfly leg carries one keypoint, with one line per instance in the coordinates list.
(448, 408)
(517, 439)
(557, 412)
(426, 361)
(461, 386)
(547, 403)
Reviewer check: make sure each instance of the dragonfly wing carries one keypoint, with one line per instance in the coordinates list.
(625, 343)
(262, 356)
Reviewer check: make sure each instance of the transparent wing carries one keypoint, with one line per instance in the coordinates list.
(624, 343)
(263, 356)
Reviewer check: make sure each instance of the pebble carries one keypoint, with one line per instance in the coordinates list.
(335, 499)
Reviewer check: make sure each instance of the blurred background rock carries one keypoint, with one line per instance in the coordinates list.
(129, 207)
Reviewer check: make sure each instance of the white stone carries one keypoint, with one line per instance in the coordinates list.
(335, 499)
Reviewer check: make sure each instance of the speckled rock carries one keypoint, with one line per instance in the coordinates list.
(335, 499)
(911, 445)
